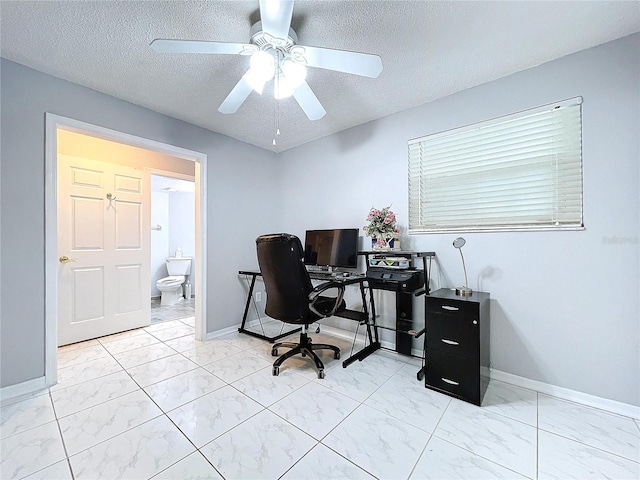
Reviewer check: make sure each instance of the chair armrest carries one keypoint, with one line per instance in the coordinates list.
(315, 295)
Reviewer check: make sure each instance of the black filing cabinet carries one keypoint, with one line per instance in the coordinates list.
(457, 344)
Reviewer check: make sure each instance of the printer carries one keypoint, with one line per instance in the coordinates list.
(395, 280)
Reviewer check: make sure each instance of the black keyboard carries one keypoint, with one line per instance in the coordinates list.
(321, 275)
(337, 276)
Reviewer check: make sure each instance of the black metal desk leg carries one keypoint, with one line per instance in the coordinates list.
(374, 318)
(246, 307)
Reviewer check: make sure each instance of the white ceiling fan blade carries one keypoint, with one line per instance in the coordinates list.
(363, 64)
(162, 45)
(275, 16)
(309, 102)
(236, 96)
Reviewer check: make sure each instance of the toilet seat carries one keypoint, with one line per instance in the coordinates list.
(171, 281)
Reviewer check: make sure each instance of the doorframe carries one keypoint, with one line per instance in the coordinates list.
(150, 171)
(54, 122)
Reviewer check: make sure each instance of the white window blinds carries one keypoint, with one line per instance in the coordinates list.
(523, 171)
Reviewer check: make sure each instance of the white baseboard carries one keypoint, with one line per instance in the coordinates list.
(221, 333)
(27, 388)
(612, 406)
(253, 323)
(338, 332)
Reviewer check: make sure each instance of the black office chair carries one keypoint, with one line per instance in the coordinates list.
(292, 298)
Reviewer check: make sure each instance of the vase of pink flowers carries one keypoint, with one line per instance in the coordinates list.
(382, 228)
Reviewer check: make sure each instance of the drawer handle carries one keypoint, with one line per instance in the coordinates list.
(447, 307)
(450, 382)
(449, 342)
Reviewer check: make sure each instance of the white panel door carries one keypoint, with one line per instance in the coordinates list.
(103, 249)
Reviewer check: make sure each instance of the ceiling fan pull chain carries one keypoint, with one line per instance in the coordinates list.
(276, 83)
(275, 115)
(275, 109)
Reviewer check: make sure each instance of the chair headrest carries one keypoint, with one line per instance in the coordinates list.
(275, 237)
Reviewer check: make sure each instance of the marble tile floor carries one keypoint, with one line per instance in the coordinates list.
(155, 403)
(184, 308)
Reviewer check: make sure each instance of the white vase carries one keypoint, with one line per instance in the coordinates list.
(382, 246)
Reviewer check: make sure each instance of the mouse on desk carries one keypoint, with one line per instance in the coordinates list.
(345, 274)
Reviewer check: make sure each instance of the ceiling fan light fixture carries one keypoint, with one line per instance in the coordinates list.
(283, 88)
(276, 55)
(262, 69)
(255, 82)
(295, 72)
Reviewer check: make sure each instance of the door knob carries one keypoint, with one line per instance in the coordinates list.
(63, 259)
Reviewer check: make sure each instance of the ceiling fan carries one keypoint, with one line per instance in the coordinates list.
(275, 55)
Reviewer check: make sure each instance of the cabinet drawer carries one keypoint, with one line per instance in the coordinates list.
(454, 307)
(456, 334)
(455, 375)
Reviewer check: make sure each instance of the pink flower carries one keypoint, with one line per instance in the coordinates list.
(387, 220)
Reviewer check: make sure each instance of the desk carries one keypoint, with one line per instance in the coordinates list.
(362, 317)
(406, 326)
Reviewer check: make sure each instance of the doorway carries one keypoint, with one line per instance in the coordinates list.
(56, 124)
(172, 239)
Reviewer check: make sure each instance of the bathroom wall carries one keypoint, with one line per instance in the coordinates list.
(182, 227)
(175, 213)
(159, 238)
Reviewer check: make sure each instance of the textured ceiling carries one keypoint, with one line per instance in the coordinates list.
(428, 49)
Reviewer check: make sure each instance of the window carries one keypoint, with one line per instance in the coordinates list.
(519, 172)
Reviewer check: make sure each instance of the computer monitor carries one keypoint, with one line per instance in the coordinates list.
(331, 248)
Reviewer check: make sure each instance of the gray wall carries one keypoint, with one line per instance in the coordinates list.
(175, 212)
(159, 238)
(565, 304)
(182, 227)
(565, 307)
(240, 177)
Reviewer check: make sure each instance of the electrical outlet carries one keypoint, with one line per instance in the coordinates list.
(258, 296)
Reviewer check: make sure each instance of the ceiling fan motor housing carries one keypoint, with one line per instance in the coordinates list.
(265, 41)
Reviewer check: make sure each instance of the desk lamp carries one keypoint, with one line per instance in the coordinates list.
(462, 291)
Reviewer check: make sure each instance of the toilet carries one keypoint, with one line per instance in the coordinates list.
(171, 287)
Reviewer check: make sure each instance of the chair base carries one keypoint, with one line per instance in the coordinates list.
(304, 348)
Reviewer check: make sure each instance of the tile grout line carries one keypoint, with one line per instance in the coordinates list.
(64, 444)
(49, 393)
(580, 441)
(413, 469)
(198, 450)
(362, 403)
(163, 413)
(308, 382)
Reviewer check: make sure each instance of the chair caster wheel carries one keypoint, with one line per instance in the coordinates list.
(275, 371)
(320, 374)
(336, 355)
(274, 352)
